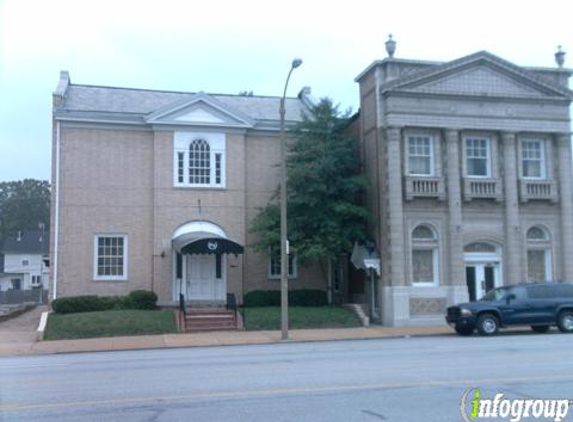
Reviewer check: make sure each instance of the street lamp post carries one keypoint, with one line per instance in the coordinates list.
(284, 242)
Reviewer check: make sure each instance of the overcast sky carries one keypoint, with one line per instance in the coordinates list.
(232, 46)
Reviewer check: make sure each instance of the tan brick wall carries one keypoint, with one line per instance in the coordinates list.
(105, 188)
(121, 181)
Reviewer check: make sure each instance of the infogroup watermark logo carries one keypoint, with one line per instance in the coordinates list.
(475, 407)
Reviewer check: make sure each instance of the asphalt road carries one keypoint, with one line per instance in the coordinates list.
(410, 379)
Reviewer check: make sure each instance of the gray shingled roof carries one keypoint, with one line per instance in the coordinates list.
(87, 98)
(30, 242)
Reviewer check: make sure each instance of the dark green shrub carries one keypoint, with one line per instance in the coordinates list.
(143, 299)
(115, 303)
(68, 305)
(138, 299)
(300, 297)
(307, 297)
(257, 298)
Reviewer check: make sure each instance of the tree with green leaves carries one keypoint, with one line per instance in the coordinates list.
(325, 185)
(24, 205)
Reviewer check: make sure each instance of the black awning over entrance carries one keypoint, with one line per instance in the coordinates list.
(212, 245)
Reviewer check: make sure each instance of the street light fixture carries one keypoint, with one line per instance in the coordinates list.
(284, 241)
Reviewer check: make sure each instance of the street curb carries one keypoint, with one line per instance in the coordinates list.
(263, 343)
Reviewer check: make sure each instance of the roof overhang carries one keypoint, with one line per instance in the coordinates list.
(202, 237)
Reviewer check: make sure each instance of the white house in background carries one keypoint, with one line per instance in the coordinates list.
(22, 264)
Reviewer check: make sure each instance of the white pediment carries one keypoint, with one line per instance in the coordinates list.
(199, 115)
(199, 110)
(480, 80)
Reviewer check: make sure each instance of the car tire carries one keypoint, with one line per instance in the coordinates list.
(540, 328)
(565, 321)
(487, 325)
(464, 331)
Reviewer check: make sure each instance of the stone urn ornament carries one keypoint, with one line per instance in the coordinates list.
(390, 46)
(560, 57)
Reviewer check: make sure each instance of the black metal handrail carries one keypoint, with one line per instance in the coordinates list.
(232, 305)
(182, 311)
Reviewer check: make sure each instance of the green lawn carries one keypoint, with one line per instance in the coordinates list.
(269, 318)
(109, 324)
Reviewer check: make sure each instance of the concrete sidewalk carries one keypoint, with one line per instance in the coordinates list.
(18, 337)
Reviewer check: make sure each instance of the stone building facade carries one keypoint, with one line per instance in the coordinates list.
(156, 190)
(469, 163)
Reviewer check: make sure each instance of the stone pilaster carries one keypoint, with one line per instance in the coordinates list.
(396, 212)
(456, 274)
(513, 269)
(566, 200)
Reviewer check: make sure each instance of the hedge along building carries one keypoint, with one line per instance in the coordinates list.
(156, 190)
(470, 170)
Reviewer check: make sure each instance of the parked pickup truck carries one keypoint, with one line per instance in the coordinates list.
(539, 305)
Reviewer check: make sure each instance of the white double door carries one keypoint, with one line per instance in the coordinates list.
(481, 277)
(206, 277)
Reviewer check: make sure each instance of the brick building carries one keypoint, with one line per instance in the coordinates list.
(469, 163)
(156, 190)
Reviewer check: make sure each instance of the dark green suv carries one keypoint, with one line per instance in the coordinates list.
(539, 305)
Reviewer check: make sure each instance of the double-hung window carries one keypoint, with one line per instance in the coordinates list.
(199, 159)
(110, 257)
(533, 159)
(420, 155)
(275, 264)
(478, 157)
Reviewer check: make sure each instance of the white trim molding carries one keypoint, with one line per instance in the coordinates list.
(124, 256)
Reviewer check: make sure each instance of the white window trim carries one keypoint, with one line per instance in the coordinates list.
(125, 258)
(543, 159)
(432, 154)
(489, 157)
(294, 274)
(217, 145)
(435, 264)
(426, 244)
(542, 245)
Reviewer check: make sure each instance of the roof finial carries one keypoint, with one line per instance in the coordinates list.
(390, 46)
(560, 57)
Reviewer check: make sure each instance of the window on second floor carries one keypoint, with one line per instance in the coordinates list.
(420, 155)
(199, 160)
(533, 159)
(478, 157)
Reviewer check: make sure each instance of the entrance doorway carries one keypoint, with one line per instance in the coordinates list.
(206, 278)
(480, 279)
(483, 268)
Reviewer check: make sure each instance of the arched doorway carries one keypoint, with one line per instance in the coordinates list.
(483, 268)
(200, 261)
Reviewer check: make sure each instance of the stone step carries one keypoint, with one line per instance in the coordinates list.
(208, 312)
(209, 320)
(208, 329)
(208, 326)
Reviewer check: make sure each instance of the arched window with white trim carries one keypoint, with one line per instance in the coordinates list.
(199, 160)
(425, 256)
(539, 267)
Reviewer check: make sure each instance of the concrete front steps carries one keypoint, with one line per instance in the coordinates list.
(209, 319)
